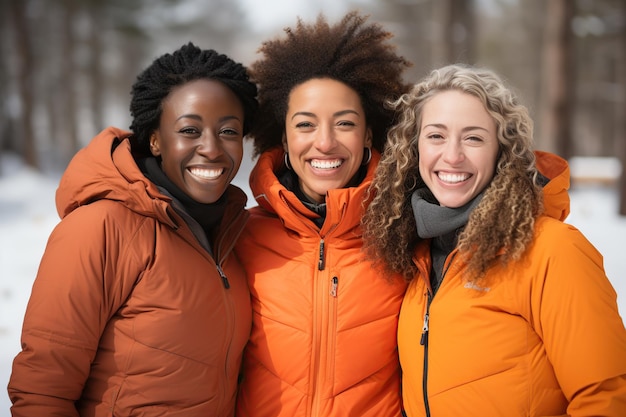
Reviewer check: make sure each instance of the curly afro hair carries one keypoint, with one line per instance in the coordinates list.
(353, 52)
(188, 63)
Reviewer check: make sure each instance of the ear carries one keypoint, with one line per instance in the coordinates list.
(284, 141)
(154, 145)
(368, 138)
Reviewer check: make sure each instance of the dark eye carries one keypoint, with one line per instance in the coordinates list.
(434, 136)
(229, 132)
(304, 125)
(346, 123)
(189, 131)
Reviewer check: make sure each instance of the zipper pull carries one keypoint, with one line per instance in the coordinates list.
(223, 276)
(320, 262)
(424, 330)
(333, 286)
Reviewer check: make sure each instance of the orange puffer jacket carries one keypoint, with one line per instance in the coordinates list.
(324, 341)
(129, 315)
(541, 337)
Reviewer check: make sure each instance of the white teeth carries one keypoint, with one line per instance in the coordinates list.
(324, 164)
(453, 178)
(206, 173)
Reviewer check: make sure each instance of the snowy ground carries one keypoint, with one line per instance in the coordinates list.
(27, 216)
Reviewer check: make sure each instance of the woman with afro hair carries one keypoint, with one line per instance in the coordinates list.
(323, 341)
(140, 306)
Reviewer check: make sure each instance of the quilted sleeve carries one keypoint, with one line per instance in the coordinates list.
(78, 287)
(582, 330)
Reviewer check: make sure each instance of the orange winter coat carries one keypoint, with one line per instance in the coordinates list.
(540, 337)
(323, 340)
(129, 314)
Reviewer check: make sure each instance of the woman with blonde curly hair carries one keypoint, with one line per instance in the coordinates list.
(508, 309)
(323, 341)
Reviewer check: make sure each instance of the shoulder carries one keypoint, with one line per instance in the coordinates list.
(103, 212)
(561, 236)
(561, 248)
(104, 224)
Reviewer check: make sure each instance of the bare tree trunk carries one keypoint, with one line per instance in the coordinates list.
(462, 32)
(455, 36)
(558, 79)
(96, 74)
(441, 49)
(622, 182)
(4, 81)
(25, 81)
(69, 81)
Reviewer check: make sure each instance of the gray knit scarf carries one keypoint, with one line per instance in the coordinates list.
(443, 225)
(434, 220)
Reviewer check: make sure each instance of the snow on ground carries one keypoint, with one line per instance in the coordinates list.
(28, 215)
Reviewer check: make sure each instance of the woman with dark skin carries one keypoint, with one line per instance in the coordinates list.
(508, 310)
(323, 341)
(140, 306)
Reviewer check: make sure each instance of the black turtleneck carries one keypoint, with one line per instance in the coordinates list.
(208, 216)
(289, 179)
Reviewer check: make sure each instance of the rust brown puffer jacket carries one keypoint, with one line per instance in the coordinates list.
(129, 314)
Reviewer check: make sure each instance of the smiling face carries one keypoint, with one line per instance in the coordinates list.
(200, 138)
(325, 135)
(458, 147)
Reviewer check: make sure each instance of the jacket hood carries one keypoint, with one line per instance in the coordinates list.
(555, 193)
(106, 169)
(272, 196)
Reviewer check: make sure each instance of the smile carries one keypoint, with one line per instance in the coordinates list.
(453, 178)
(326, 164)
(207, 174)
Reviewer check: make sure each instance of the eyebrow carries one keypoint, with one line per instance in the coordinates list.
(197, 117)
(465, 129)
(339, 113)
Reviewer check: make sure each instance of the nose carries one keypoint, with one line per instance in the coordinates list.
(453, 152)
(210, 146)
(325, 139)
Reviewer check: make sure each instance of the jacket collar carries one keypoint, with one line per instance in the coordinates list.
(344, 207)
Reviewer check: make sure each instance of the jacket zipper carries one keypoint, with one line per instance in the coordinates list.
(430, 294)
(321, 262)
(220, 255)
(223, 276)
(424, 342)
(325, 318)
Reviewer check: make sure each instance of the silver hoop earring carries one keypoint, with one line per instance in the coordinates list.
(367, 156)
(287, 164)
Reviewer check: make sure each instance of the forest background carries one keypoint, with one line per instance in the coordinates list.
(68, 65)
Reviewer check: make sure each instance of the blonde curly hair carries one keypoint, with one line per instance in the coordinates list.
(501, 226)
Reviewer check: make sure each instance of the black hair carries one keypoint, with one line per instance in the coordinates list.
(352, 51)
(188, 63)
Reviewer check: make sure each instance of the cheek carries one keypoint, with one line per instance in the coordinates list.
(235, 151)
(423, 170)
(490, 162)
(423, 160)
(292, 144)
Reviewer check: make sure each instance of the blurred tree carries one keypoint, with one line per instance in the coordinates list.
(430, 33)
(67, 95)
(25, 80)
(622, 140)
(5, 90)
(456, 37)
(558, 74)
